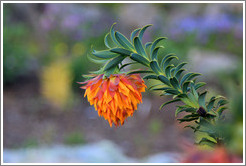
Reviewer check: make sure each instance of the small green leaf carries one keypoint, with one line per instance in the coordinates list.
(139, 46)
(206, 141)
(193, 75)
(110, 71)
(107, 42)
(180, 66)
(178, 73)
(193, 91)
(155, 67)
(139, 59)
(153, 54)
(163, 88)
(187, 119)
(185, 86)
(114, 62)
(147, 45)
(201, 99)
(106, 54)
(112, 34)
(167, 61)
(172, 91)
(168, 70)
(127, 64)
(186, 77)
(150, 77)
(123, 41)
(100, 71)
(184, 109)
(99, 61)
(156, 42)
(133, 34)
(199, 85)
(139, 71)
(174, 82)
(154, 86)
(191, 116)
(142, 31)
(220, 110)
(165, 58)
(164, 79)
(172, 101)
(222, 102)
(121, 51)
(210, 104)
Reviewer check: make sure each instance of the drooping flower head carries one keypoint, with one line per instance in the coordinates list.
(116, 97)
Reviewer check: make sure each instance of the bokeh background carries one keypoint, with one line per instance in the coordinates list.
(44, 55)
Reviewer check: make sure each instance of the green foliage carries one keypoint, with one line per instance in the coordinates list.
(74, 139)
(173, 81)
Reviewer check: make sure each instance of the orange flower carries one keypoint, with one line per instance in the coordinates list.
(115, 98)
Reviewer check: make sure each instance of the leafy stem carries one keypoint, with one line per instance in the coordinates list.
(174, 80)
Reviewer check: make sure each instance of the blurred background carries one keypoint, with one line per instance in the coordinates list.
(44, 55)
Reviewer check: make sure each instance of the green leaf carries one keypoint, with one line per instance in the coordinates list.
(168, 70)
(100, 71)
(188, 77)
(193, 75)
(139, 71)
(150, 77)
(147, 45)
(153, 54)
(182, 95)
(165, 58)
(190, 101)
(191, 116)
(123, 41)
(220, 110)
(139, 46)
(112, 34)
(156, 42)
(163, 88)
(180, 66)
(210, 104)
(154, 86)
(199, 85)
(121, 51)
(193, 91)
(172, 91)
(201, 99)
(178, 73)
(164, 79)
(206, 141)
(107, 42)
(186, 109)
(186, 119)
(110, 71)
(167, 61)
(155, 67)
(192, 127)
(140, 59)
(142, 31)
(172, 101)
(222, 102)
(133, 34)
(185, 86)
(114, 62)
(106, 54)
(99, 61)
(174, 82)
(121, 67)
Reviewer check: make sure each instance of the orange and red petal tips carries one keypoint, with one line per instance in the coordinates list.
(116, 97)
